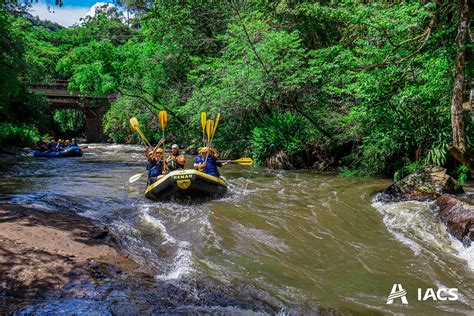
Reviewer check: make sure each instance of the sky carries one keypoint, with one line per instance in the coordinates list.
(67, 15)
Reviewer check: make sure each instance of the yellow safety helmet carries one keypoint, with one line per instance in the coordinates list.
(159, 150)
(204, 149)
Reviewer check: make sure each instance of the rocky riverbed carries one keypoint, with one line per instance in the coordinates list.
(455, 208)
(41, 253)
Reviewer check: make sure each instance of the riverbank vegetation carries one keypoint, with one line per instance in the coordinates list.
(363, 87)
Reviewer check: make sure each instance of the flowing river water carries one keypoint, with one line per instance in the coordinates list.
(301, 237)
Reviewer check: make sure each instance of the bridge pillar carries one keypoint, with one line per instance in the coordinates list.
(94, 131)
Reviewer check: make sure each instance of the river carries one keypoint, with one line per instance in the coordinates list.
(301, 237)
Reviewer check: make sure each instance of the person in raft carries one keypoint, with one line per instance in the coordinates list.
(42, 145)
(61, 144)
(175, 161)
(53, 145)
(155, 164)
(206, 161)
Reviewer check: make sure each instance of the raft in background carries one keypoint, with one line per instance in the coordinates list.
(73, 151)
(186, 183)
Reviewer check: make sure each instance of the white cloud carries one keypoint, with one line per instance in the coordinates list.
(68, 16)
(103, 6)
(63, 16)
(107, 7)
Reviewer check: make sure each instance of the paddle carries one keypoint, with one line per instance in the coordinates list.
(136, 127)
(203, 124)
(163, 117)
(209, 129)
(136, 177)
(209, 132)
(240, 161)
(215, 127)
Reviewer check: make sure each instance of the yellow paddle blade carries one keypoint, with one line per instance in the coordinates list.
(203, 121)
(136, 127)
(209, 129)
(215, 125)
(134, 123)
(240, 161)
(163, 116)
(243, 161)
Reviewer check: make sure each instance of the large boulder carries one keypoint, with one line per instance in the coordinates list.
(458, 215)
(279, 160)
(425, 183)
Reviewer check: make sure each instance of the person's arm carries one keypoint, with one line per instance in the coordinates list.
(147, 153)
(215, 152)
(181, 160)
(165, 169)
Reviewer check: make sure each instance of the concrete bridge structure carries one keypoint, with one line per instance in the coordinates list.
(93, 107)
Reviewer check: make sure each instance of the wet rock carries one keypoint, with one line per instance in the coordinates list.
(458, 215)
(279, 160)
(104, 235)
(425, 183)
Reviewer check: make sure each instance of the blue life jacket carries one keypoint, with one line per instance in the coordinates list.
(52, 146)
(154, 168)
(211, 164)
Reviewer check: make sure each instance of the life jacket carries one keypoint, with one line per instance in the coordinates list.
(211, 164)
(175, 162)
(154, 168)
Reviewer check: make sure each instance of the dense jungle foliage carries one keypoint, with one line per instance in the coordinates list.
(362, 85)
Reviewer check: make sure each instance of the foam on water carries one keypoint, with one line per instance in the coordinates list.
(466, 253)
(416, 225)
(158, 224)
(182, 261)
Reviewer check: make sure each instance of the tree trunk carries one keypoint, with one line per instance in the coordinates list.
(457, 113)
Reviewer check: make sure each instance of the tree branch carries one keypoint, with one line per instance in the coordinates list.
(425, 35)
(264, 66)
(150, 104)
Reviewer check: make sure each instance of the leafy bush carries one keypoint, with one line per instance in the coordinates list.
(69, 120)
(117, 121)
(18, 135)
(437, 155)
(283, 131)
(406, 170)
(347, 172)
(463, 174)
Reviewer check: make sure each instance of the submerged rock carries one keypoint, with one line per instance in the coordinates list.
(458, 215)
(424, 183)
